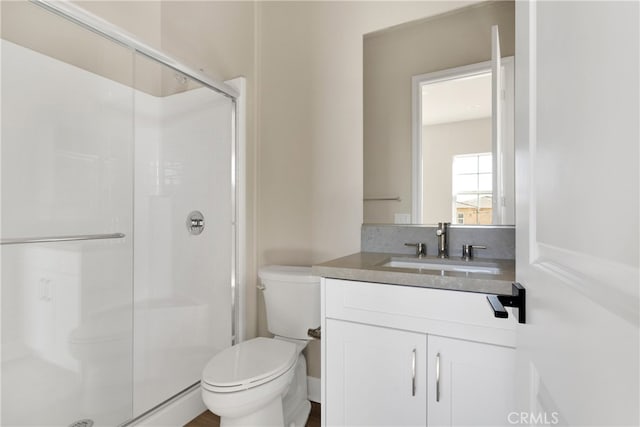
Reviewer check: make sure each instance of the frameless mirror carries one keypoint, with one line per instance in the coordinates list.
(438, 119)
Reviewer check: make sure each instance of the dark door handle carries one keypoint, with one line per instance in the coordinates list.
(517, 299)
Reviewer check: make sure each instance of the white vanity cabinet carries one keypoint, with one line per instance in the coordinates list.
(373, 376)
(475, 385)
(401, 355)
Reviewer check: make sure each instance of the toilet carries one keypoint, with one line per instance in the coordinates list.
(263, 381)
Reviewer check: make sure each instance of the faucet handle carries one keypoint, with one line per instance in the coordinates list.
(442, 228)
(421, 248)
(467, 251)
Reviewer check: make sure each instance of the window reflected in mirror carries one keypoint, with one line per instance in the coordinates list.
(472, 189)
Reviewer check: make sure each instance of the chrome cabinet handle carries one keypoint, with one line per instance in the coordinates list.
(413, 373)
(438, 377)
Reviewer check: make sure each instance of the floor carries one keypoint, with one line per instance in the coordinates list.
(207, 419)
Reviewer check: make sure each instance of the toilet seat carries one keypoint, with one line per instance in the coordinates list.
(248, 364)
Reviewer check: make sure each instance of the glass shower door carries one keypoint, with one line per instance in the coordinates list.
(67, 225)
(183, 230)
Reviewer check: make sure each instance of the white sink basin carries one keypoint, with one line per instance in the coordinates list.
(433, 265)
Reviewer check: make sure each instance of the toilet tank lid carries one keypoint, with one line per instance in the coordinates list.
(287, 273)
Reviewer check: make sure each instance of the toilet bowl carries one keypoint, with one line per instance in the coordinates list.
(263, 381)
(244, 384)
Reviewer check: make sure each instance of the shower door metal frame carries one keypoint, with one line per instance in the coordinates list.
(99, 26)
(91, 22)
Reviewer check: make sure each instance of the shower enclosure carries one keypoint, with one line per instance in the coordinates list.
(118, 186)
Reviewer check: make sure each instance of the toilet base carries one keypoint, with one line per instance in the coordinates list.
(269, 415)
(295, 402)
(300, 415)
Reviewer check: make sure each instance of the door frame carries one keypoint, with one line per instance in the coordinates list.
(420, 80)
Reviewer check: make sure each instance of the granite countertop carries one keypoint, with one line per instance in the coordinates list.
(367, 267)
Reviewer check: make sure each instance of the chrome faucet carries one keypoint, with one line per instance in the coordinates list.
(443, 244)
(421, 248)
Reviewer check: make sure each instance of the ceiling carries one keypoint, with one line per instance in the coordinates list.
(455, 100)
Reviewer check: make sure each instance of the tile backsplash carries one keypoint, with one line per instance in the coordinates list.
(499, 240)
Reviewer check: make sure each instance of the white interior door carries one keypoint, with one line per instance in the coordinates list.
(577, 211)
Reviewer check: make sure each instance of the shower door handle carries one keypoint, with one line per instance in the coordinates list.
(53, 239)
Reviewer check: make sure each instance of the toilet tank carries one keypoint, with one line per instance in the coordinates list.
(292, 300)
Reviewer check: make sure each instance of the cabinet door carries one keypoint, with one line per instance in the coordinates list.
(469, 383)
(374, 376)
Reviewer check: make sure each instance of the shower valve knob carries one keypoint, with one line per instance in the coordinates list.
(195, 222)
